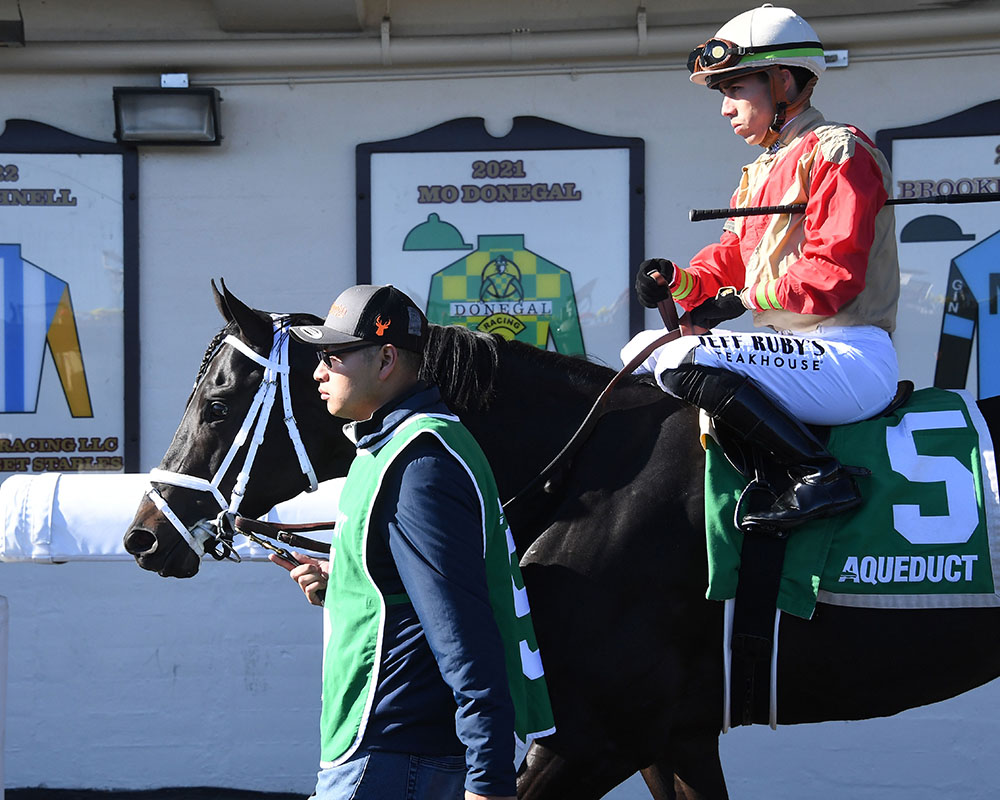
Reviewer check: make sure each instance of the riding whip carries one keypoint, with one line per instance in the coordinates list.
(701, 214)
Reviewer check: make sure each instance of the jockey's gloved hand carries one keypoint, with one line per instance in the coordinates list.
(724, 306)
(647, 289)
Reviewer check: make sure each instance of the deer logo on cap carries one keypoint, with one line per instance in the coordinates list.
(381, 326)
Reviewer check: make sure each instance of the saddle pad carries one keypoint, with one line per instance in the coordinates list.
(925, 536)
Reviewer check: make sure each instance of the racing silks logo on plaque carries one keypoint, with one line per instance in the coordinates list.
(503, 288)
(37, 315)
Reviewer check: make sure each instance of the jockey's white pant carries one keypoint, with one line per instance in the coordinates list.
(829, 376)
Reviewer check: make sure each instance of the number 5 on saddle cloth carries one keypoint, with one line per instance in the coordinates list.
(924, 536)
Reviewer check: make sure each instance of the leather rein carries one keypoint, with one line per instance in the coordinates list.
(564, 458)
(289, 533)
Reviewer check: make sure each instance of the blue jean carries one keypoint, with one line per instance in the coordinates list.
(377, 775)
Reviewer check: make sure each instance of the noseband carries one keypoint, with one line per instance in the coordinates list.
(216, 537)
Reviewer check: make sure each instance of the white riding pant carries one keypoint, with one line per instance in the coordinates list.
(829, 376)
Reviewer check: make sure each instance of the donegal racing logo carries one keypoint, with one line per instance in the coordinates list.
(505, 289)
(502, 286)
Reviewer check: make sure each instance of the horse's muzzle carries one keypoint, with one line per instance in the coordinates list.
(156, 546)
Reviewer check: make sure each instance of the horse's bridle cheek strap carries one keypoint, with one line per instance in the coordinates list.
(276, 368)
(282, 367)
(293, 432)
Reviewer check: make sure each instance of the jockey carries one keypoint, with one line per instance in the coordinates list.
(826, 282)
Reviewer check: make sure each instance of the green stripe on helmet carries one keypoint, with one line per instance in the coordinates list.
(776, 55)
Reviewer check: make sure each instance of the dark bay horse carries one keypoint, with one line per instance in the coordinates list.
(614, 557)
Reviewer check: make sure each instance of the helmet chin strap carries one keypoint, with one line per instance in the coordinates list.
(782, 108)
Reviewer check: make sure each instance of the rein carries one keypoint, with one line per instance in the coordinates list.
(564, 459)
(215, 537)
(220, 531)
(287, 532)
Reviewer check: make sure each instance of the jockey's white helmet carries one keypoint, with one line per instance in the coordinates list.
(755, 40)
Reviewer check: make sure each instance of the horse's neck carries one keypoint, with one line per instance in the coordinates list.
(536, 409)
(647, 442)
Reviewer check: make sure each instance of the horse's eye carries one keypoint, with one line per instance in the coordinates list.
(218, 409)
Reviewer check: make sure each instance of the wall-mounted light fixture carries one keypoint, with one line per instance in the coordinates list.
(11, 24)
(171, 114)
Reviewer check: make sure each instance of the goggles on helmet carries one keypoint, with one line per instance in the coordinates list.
(718, 54)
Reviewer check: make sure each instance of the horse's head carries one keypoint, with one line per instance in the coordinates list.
(254, 406)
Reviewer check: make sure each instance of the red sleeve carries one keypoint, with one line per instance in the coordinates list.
(713, 267)
(844, 199)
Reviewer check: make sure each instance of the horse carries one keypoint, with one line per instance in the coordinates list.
(613, 554)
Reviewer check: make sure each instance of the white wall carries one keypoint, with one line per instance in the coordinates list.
(120, 679)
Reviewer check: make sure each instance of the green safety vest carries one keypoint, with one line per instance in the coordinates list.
(355, 607)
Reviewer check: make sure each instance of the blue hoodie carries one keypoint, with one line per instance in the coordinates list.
(442, 687)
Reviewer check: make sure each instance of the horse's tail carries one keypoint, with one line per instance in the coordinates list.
(463, 364)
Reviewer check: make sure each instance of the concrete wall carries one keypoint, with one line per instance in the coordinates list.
(119, 679)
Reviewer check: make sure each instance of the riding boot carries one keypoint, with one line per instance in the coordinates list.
(821, 486)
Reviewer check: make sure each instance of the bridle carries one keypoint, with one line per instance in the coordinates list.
(215, 537)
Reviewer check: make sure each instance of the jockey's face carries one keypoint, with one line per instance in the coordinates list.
(747, 104)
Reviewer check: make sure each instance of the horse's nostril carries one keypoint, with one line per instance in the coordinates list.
(139, 541)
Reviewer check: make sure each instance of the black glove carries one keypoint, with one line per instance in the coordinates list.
(647, 289)
(725, 305)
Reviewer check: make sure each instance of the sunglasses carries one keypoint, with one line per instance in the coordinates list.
(327, 355)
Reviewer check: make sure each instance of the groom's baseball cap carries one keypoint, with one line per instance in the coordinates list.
(364, 313)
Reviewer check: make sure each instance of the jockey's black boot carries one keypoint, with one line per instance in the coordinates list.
(821, 486)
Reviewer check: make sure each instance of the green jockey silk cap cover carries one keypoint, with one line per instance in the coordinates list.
(755, 40)
(365, 313)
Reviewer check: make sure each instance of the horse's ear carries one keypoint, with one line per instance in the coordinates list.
(220, 303)
(256, 326)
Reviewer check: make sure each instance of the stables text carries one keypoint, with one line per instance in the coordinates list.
(47, 454)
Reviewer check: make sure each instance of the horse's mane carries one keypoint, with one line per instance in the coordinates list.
(464, 365)
(211, 350)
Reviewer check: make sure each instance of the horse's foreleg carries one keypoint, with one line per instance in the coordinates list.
(698, 770)
(546, 775)
(659, 778)
(694, 772)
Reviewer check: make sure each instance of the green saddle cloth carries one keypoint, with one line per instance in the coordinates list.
(923, 538)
